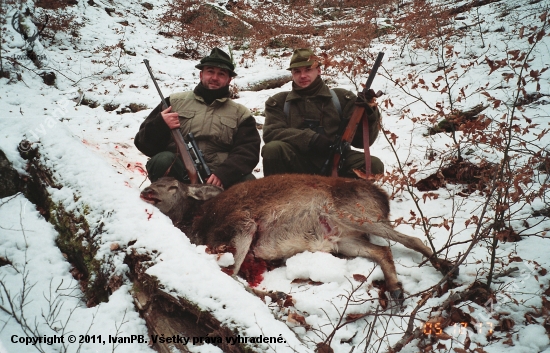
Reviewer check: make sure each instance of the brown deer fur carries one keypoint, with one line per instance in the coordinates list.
(279, 216)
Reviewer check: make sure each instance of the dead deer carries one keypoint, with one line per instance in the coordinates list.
(279, 216)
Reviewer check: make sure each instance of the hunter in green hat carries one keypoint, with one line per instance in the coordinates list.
(303, 57)
(218, 58)
(225, 131)
(301, 125)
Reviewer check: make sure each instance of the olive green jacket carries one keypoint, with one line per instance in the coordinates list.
(224, 130)
(291, 129)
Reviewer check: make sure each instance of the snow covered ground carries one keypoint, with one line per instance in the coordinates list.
(94, 159)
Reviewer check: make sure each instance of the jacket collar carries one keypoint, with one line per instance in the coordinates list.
(322, 91)
(209, 96)
(200, 99)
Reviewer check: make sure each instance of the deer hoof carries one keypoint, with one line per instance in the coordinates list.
(445, 266)
(395, 300)
(397, 294)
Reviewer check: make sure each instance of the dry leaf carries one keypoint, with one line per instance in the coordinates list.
(467, 342)
(355, 317)
(506, 324)
(323, 348)
(479, 350)
(289, 301)
(508, 341)
(508, 235)
(296, 319)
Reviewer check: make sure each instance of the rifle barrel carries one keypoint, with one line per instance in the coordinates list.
(373, 71)
(146, 62)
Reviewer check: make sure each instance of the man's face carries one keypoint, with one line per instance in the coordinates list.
(214, 77)
(304, 76)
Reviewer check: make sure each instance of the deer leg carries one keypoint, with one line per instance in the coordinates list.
(359, 246)
(386, 231)
(242, 242)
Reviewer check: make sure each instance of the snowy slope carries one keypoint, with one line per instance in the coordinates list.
(183, 269)
(94, 158)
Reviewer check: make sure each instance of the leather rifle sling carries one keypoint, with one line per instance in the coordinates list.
(366, 145)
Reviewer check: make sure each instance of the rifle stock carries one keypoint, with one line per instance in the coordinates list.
(343, 140)
(181, 146)
(347, 137)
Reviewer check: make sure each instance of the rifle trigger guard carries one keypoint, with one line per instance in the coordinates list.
(344, 146)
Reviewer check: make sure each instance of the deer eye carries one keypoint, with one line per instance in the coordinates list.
(172, 188)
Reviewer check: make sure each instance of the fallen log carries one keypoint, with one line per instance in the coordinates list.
(172, 296)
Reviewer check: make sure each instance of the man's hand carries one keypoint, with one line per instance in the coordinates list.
(214, 180)
(368, 98)
(171, 119)
(321, 144)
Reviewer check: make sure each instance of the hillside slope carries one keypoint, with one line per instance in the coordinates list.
(494, 56)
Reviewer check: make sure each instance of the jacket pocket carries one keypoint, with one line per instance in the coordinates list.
(228, 128)
(185, 118)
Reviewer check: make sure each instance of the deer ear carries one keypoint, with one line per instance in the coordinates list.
(203, 192)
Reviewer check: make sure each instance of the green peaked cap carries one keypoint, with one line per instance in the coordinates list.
(303, 57)
(218, 58)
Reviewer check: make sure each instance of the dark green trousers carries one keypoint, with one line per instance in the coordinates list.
(280, 157)
(159, 164)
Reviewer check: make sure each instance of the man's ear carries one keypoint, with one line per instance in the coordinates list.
(203, 192)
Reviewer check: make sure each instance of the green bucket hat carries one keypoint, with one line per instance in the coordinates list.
(218, 58)
(303, 57)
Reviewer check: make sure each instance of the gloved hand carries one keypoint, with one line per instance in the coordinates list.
(368, 97)
(321, 144)
(368, 100)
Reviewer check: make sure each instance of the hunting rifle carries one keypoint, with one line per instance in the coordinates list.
(346, 132)
(191, 155)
